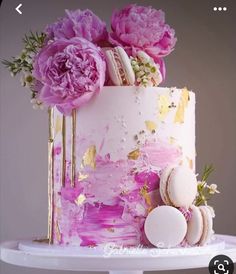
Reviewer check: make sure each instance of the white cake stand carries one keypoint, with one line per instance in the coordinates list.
(116, 261)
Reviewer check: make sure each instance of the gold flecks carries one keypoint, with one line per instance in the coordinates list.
(43, 240)
(63, 164)
(58, 232)
(179, 116)
(163, 106)
(58, 125)
(111, 229)
(89, 158)
(148, 199)
(80, 199)
(124, 192)
(134, 155)
(144, 189)
(73, 147)
(92, 246)
(190, 162)
(144, 193)
(151, 126)
(82, 176)
(172, 140)
(150, 208)
(50, 173)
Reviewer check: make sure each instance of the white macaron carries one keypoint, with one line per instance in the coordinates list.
(119, 67)
(165, 227)
(200, 226)
(178, 186)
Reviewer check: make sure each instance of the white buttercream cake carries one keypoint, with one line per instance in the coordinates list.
(107, 159)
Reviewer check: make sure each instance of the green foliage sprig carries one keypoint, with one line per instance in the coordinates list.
(205, 191)
(24, 62)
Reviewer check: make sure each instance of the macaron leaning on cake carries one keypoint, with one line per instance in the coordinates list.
(165, 227)
(200, 225)
(178, 186)
(119, 67)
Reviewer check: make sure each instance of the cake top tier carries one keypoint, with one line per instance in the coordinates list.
(73, 58)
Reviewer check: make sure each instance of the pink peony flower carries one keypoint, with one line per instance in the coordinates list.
(78, 23)
(142, 28)
(71, 72)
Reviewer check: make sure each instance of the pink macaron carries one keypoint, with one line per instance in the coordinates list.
(200, 226)
(119, 67)
(178, 186)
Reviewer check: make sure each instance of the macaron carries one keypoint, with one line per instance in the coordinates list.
(200, 226)
(119, 67)
(178, 186)
(165, 227)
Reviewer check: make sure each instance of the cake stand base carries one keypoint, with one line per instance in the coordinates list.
(116, 261)
(126, 272)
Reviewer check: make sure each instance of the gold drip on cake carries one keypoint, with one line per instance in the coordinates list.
(50, 174)
(63, 170)
(73, 147)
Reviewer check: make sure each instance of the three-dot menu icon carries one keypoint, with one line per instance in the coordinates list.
(220, 8)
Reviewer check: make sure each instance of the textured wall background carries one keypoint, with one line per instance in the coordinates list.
(204, 61)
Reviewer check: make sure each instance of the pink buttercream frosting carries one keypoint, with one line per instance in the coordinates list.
(117, 197)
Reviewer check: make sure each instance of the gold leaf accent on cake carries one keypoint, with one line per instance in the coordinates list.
(73, 147)
(80, 199)
(134, 155)
(179, 116)
(124, 192)
(111, 229)
(163, 106)
(172, 140)
(82, 176)
(151, 126)
(190, 162)
(58, 127)
(50, 173)
(63, 164)
(42, 240)
(58, 232)
(89, 158)
(144, 193)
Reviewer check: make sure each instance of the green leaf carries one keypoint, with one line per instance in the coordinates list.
(208, 169)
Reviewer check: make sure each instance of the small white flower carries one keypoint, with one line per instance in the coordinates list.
(144, 57)
(136, 67)
(201, 183)
(213, 189)
(33, 101)
(145, 80)
(140, 74)
(35, 106)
